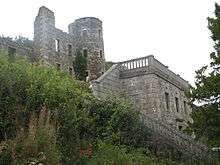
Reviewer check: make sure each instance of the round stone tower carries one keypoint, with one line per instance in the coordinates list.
(89, 40)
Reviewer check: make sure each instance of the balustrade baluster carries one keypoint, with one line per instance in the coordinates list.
(126, 64)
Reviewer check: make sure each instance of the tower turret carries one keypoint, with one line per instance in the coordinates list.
(89, 40)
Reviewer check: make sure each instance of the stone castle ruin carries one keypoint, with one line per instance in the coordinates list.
(58, 48)
(157, 92)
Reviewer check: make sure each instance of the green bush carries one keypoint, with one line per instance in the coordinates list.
(38, 145)
(26, 88)
(108, 154)
(79, 119)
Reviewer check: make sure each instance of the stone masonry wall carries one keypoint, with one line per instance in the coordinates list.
(107, 84)
(88, 36)
(58, 48)
(45, 37)
(146, 82)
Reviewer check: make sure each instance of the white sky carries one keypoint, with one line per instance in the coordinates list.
(174, 31)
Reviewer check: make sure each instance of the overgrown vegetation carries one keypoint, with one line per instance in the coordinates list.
(80, 66)
(35, 147)
(48, 117)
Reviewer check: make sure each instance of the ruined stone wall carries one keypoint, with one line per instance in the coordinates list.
(88, 36)
(50, 43)
(58, 48)
(6, 45)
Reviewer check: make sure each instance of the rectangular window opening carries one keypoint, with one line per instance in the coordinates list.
(57, 45)
(100, 52)
(177, 104)
(167, 99)
(87, 73)
(185, 108)
(69, 50)
(100, 33)
(85, 52)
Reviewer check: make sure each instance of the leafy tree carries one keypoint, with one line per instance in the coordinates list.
(80, 66)
(207, 91)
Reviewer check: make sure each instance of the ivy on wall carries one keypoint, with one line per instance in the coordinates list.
(80, 66)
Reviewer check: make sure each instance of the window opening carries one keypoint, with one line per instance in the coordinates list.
(167, 99)
(85, 52)
(69, 49)
(177, 104)
(57, 45)
(100, 52)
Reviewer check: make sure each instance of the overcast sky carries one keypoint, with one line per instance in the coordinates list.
(174, 31)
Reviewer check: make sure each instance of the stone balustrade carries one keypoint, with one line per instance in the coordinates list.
(135, 63)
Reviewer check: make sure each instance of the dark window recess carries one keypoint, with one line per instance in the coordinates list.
(100, 52)
(58, 66)
(57, 45)
(70, 70)
(185, 109)
(100, 33)
(69, 50)
(85, 52)
(177, 104)
(167, 99)
(84, 33)
(180, 127)
(11, 52)
(87, 73)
